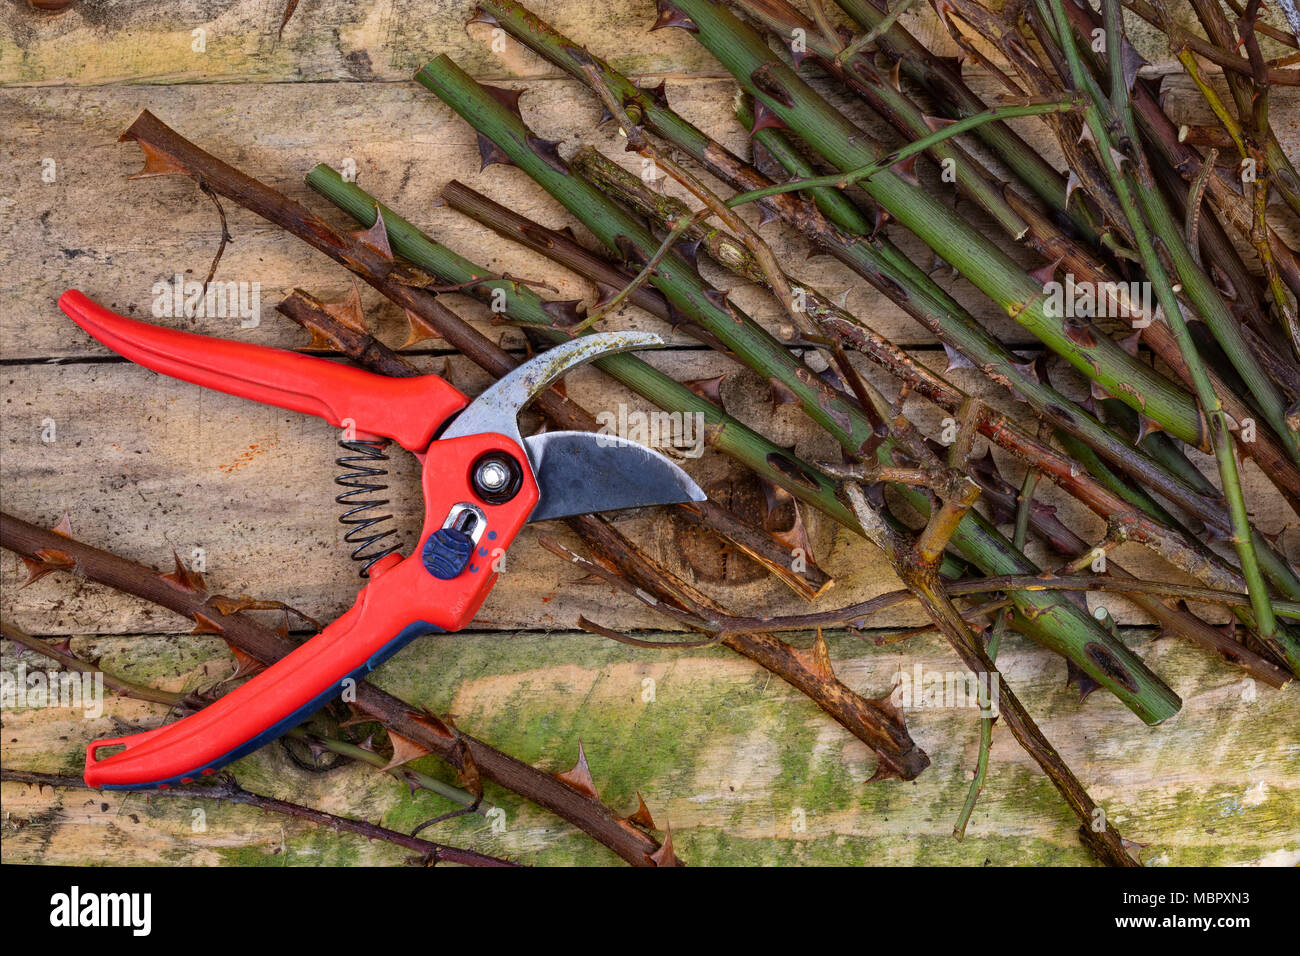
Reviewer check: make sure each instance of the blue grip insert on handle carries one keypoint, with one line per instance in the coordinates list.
(446, 552)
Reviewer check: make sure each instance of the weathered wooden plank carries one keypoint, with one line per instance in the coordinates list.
(734, 760)
(336, 40)
(144, 463)
(330, 40)
(92, 228)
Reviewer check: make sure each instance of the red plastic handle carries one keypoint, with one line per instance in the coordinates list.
(407, 410)
(398, 605)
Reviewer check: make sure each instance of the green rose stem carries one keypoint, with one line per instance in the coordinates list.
(1199, 289)
(859, 44)
(960, 331)
(943, 81)
(1203, 501)
(1116, 501)
(1054, 621)
(1170, 454)
(1022, 296)
(832, 203)
(877, 260)
(1084, 429)
(767, 459)
(1000, 493)
(1276, 566)
(903, 153)
(1125, 185)
(861, 75)
(1088, 270)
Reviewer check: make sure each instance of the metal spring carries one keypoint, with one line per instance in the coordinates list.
(359, 482)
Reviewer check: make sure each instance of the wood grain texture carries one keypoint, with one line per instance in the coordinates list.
(735, 761)
(144, 464)
(115, 238)
(723, 752)
(388, 40)
(332, 41)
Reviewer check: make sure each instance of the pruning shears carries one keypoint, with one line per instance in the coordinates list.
(482, 481)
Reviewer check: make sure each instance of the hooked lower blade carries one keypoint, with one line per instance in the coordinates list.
(588, 472)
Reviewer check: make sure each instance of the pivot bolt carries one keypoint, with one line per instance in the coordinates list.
(497, 478)
(493, 476)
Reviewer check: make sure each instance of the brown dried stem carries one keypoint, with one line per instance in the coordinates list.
(407, 287)
(864, 718)
(192, 701)
(227, 790)
(469, 756)
(922, 580)
(1184, 553)
(638, 142)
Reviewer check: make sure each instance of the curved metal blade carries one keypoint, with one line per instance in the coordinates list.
(497, 409)
(585, 472)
